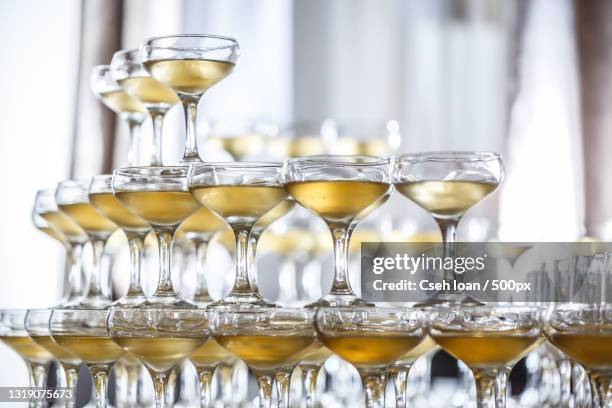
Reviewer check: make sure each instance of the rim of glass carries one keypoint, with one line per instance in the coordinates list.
(238, 165)
(163, 37)
(375, 309)
(449, 156)
(150, 170)
(488, 309)
(330, 159)
(169, 308)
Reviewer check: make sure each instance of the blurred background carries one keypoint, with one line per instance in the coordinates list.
(531, 79)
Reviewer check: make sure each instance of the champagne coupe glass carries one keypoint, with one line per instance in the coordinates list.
(447, 184)
(127, 70)
(266, 339)
(489, 339)
(240, 193)
(73, 238)
(135, 229)
(72, 197)
(161, 337)
(129, 109)
(37, 326)
(83, 333)
(584, 332)
(339, 189)
(158, 195)
(198, 230)
(190, 65)
(13, 333)
(372, 339)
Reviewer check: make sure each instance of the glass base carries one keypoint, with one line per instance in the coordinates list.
(128, 301)
(339, 300)
(449, 299)
(97, 302)
(243, 300)
(164, 301)
(187, 160)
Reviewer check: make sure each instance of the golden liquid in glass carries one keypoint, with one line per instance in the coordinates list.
(480, 350)
(372, 350)
(162, 208)
(265, 353)
(592, 350)
(149, 91)
(91, 349)
(210, 354)
(160, 354)
(202, 221)
(115, 211)
(240, 201)
(58, 352)
(27, 349)
(120, 101)
(88, 218)
(337, 200)
(189, 76)
(65, 225)
(448, 197)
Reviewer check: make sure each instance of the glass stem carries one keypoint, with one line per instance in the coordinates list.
(309, 377)
(134, 148)
(157, 118)
(341, 235)
(265, 390)
(283, 385)
(501, 384)
(131, 394)
(98, 287)
(71, 375)
(75, 273)
(253, 241)
(486, 384)
(603, 390)
(201, 249)
(206, 377)
(399, 373)
(135, 243)
(374, 386)
(165, 238)
(448, 228)
(159, 384)
(100, 379)
(190, 106)
(242, 283)
(226, 376)
(565, 374)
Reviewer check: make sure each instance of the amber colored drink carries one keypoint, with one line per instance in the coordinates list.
(189, 76)
(446, 197)
(337, 200)
(160, 354)
(160, 208)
